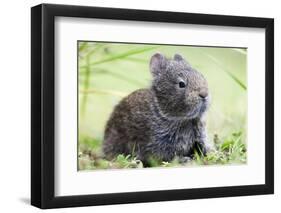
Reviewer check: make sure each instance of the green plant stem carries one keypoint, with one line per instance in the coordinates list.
(214, 60)
(123, 55)
(86, 86)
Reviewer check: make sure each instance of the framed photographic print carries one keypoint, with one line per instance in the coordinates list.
(140, 106)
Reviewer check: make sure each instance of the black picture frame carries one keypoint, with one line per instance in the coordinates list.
(43, 105)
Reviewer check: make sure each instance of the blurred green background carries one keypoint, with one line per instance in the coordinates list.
(110, 71)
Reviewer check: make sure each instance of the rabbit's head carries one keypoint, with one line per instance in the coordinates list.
(180, 90)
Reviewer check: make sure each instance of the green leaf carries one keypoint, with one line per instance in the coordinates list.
(116, 75)
(82, 46)
(218, 63)
(123, 55)
(240, 50)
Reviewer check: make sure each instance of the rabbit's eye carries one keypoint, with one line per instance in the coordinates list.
(181, 84)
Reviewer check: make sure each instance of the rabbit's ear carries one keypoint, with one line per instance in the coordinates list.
(158, 64)
(178, 57)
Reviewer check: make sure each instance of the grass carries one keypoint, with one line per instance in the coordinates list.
(230, 150)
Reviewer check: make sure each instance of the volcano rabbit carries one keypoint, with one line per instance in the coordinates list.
(164, 121)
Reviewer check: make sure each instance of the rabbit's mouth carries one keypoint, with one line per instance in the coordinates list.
(204, 106)
(199, 109)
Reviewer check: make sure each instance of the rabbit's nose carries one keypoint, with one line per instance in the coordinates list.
(203, 94)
